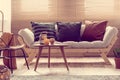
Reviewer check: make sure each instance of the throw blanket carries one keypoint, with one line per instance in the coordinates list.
(8, 40)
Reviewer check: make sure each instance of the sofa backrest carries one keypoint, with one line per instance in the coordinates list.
(27, 35)
(82, 29)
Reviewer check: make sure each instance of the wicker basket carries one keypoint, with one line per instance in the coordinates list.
(4, 73)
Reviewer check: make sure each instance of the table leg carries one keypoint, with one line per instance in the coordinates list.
(38, 57)
(49, 57)
(63, 54)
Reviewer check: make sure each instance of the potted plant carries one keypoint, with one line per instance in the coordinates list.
(117, 57)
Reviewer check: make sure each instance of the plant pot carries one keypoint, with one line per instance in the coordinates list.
(117, 63)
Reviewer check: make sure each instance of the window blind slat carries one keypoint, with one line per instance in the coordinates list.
(62, 10)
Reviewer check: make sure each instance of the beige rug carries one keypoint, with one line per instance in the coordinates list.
(67, 77)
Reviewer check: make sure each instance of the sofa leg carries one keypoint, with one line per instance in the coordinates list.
(103, 55)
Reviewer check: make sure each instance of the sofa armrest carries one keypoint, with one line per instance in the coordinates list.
(110, 33)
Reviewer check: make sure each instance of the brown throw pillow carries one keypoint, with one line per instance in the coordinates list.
(94, 30)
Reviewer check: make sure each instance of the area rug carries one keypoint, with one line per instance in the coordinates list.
(67, 77)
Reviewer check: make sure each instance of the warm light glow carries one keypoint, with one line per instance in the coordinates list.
(99, 7)
(63, 10)
(34, 5)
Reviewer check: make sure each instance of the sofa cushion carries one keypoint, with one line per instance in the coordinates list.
(82, 29)
(94, 30)
(40, 27)
(68, 31)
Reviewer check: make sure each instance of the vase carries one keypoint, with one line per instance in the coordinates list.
(52, 40)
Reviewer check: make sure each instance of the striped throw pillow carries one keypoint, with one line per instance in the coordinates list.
(40, 27)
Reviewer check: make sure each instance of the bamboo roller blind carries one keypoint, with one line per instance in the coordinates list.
(64, 10)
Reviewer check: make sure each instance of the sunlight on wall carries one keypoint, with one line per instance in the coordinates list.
(103, 8)
(34, 5)
(5, 7)
(63, 10)
(0, 23)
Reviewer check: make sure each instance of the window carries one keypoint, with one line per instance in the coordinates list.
(99, 8)
(65, 10)
(34, 5)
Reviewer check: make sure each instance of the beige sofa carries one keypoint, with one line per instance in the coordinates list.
(74, 48)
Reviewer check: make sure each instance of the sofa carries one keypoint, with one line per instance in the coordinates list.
(101, 47)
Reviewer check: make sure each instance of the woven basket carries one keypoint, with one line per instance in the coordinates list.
(4, 73)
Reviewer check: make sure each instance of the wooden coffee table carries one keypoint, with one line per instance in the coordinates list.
(59, 45)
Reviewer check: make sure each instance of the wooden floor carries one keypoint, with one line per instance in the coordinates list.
(77, 66)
